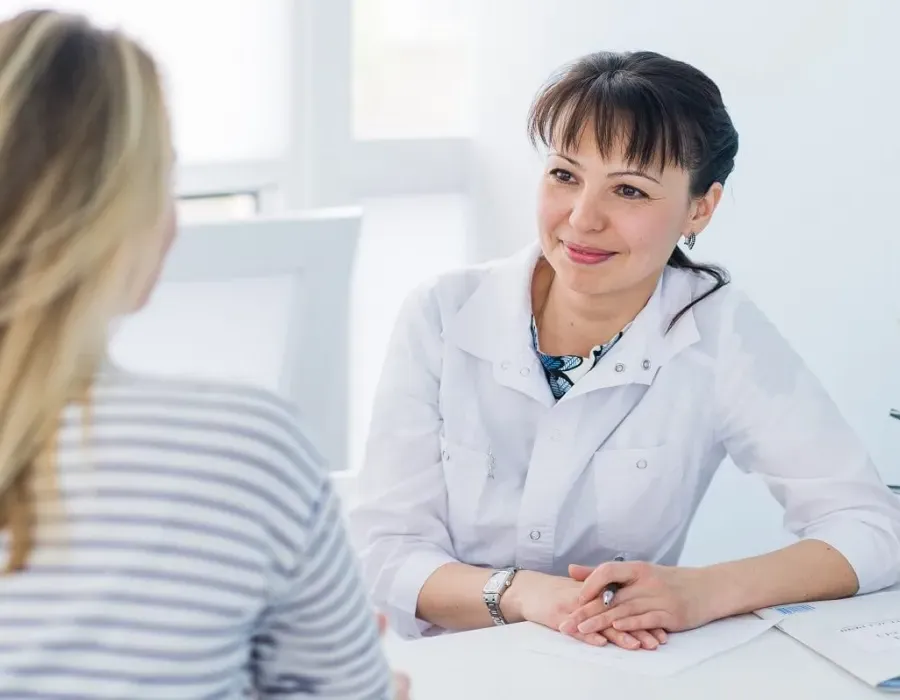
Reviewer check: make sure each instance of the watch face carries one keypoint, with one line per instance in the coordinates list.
(495, 583)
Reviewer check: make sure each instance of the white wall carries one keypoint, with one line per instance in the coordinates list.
(808, 224)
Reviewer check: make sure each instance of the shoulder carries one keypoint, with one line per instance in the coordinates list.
(237, 429)
(442, 297)
(735, 331)
(448, 292)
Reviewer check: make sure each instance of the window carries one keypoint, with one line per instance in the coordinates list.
(226, 67)
(412, 68)
(217, 207)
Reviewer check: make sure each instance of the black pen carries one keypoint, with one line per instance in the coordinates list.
(610, 591)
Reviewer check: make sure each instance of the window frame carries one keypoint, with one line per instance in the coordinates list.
(324, 165)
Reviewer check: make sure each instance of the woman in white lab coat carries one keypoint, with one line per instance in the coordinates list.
(540, 416)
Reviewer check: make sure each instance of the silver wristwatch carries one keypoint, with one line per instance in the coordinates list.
(494, 590)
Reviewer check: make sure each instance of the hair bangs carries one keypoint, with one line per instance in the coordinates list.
(624, 116)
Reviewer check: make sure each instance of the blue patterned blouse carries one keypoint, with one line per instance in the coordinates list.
(563, 371)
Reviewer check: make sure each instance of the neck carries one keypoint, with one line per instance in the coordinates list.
(572, 323)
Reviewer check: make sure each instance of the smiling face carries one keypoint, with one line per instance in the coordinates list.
(607, 225)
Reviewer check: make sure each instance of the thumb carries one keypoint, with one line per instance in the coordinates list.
(382, 624)
(580, 572)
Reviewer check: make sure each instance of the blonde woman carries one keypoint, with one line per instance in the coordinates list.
(161, 539)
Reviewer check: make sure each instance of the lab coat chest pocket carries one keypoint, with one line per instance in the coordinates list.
(466, 472)
(640, 496)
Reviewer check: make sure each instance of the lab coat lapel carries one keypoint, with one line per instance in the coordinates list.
(494, 324)
(626, 372)
(648, 344)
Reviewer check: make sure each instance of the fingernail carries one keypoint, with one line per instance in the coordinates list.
(585, 627)
(629, 640)
(567, 627)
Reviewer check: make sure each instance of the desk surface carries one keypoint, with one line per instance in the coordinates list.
(475, 666)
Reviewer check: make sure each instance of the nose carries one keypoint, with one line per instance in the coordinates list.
(587, 213)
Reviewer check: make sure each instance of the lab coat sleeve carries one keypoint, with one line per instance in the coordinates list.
(398, 522)
(776, 420)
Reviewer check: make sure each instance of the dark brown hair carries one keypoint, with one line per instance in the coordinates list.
(664, 111)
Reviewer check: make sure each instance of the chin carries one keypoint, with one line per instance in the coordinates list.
(587, 279)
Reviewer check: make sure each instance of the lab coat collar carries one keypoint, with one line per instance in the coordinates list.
(494, 324)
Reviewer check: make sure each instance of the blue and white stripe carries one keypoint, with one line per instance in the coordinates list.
(189, 546)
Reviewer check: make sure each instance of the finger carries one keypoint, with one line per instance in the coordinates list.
(586, 612)
(580, 572)
(653, 619)
(595, 639)
(623, 595)
(601, 620)
(382, 623)
(622, 573)
(401, 686)
(661, 636)
(647, 640)
(621, 639)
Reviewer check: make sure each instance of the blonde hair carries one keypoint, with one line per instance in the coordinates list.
(85, 162)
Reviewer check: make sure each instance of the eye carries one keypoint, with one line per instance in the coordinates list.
(563, 176)
(629, 192)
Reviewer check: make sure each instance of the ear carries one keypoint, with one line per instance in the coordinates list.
(702, 209)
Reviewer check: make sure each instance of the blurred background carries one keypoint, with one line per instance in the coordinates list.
(335, 153)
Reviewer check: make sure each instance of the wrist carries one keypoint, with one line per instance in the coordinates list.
(726, 594)
(513, 602)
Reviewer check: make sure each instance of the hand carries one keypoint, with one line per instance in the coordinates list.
(401, 680)
(550, 600)
(650, 597)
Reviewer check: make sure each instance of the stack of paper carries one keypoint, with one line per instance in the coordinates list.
(861, 635)
(683, 649)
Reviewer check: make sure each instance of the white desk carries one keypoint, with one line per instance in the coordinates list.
(479, 666)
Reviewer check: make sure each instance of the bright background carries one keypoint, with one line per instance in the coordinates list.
(414, 110)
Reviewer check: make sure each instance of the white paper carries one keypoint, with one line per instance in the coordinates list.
(859, 634)
(683, 649)
(878, 636)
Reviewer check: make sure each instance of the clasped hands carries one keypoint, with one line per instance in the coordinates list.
(651, 601)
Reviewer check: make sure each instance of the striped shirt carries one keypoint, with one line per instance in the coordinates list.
(190, 546)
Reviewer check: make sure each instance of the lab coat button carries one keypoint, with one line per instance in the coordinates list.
(646, 364)
(445, 455)
(535, 535)
(620, 367)
(641, 464)
(525, 372)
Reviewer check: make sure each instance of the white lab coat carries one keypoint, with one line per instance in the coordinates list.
(470, 458)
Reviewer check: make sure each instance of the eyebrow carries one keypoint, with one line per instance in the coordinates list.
(617, 173)
(638, 173)
(564, 157)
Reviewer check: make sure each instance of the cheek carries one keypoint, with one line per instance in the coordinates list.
(650, 233)
(553, 209)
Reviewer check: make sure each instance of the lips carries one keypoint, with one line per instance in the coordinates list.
(584, 255)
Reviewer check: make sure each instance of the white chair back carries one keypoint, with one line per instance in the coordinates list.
(263, 301)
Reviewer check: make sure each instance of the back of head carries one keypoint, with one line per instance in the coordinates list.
(85, 159)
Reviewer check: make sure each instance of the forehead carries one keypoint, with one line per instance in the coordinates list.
(617, 156)
(625, 124)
